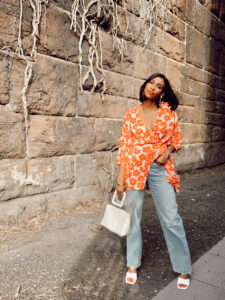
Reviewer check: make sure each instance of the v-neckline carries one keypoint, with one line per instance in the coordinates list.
(140, 117)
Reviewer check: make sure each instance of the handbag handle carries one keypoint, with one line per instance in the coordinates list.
(116, 201)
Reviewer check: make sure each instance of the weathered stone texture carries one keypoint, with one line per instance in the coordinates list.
(4, 79)
(169, 46)
(199, 156)
(93, 105)
(18, 210)
(184, 9)
(19, 178)
(9, 20)
(50, 136)
(56, 38)
(195, 47)
(215, 57)
(59, 145)
(202, 18)
(61, 200)
(53, 88)
(12, 134)
(107, 134)
(92, 169)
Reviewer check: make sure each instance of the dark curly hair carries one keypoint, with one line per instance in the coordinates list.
(169, 95)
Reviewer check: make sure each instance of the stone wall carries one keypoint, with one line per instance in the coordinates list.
(66, 152)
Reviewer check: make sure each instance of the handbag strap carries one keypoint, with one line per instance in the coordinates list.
(116, 201)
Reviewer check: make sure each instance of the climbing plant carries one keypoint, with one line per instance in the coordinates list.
(89, 18)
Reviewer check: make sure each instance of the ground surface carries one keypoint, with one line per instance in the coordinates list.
(67, 256)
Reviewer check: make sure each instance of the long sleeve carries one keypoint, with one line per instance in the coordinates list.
(176, 138)
(124, 141)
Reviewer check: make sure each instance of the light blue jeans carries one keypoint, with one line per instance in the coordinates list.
(164, 198)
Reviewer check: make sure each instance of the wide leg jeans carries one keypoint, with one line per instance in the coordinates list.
(164, 198)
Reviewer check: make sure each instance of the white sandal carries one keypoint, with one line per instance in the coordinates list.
(132, 276)
(185, 281)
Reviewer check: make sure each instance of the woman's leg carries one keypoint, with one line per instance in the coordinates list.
(172, 225)
(134, 202)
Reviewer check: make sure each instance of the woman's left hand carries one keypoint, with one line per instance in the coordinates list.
(162, 159)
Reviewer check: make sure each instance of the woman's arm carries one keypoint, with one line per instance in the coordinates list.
(175, 142)
(121, 158)
(120, 187)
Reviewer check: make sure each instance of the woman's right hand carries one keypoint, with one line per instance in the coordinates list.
(120, 189)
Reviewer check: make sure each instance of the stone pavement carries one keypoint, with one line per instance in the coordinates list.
(208, 278)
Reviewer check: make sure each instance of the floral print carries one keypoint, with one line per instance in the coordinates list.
(140, 146)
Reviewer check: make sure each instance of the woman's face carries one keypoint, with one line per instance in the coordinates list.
(154, 88)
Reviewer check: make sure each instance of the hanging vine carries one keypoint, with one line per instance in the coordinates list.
(90, 17)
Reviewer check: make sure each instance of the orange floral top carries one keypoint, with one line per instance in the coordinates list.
(139, 146)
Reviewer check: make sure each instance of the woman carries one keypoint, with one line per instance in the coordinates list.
(150, 133)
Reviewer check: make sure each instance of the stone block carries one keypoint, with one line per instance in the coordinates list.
(195, 88)
(202, 18)
(60, 200)
(220, 95)
(191, 87)
(213, 6)
(5, 63)
(169, 46)
(195, 47)
(213, 106)
(184, 9)
(199, 155)
(53, 87)
(188, 100)
(50, 136)
(118, 60)
(19, 178)
(93, 169)
(190, 114)
(173, 25)
(146, 63)
(122, 85)
(9, 20)
(56, 38)
(85, 170)
(12, 135)
(215, 119)
(93, 105)
(214, 60)
(193, 133)
(195, 73)
(18, 210)
(88, 193)
(173, 73)
(107, 134)
(133, 6)
(217, 30)
(64, 4)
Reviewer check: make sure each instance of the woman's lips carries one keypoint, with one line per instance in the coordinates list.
(150, 92)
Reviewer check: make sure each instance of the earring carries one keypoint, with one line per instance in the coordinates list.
(160, 100)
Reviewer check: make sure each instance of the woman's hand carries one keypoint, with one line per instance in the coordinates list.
(162, 159)
(120, 189)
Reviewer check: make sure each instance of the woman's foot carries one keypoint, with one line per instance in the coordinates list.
(131, 276)
(183, 281)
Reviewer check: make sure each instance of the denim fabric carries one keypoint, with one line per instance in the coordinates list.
(164, 198)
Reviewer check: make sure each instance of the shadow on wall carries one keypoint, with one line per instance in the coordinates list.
(203, 85)
(214, 150)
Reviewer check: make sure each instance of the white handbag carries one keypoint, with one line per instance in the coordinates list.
(115, 218)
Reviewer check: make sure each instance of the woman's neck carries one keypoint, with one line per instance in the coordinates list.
(147, 104)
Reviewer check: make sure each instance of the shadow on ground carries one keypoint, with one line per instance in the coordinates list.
(101, 269)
